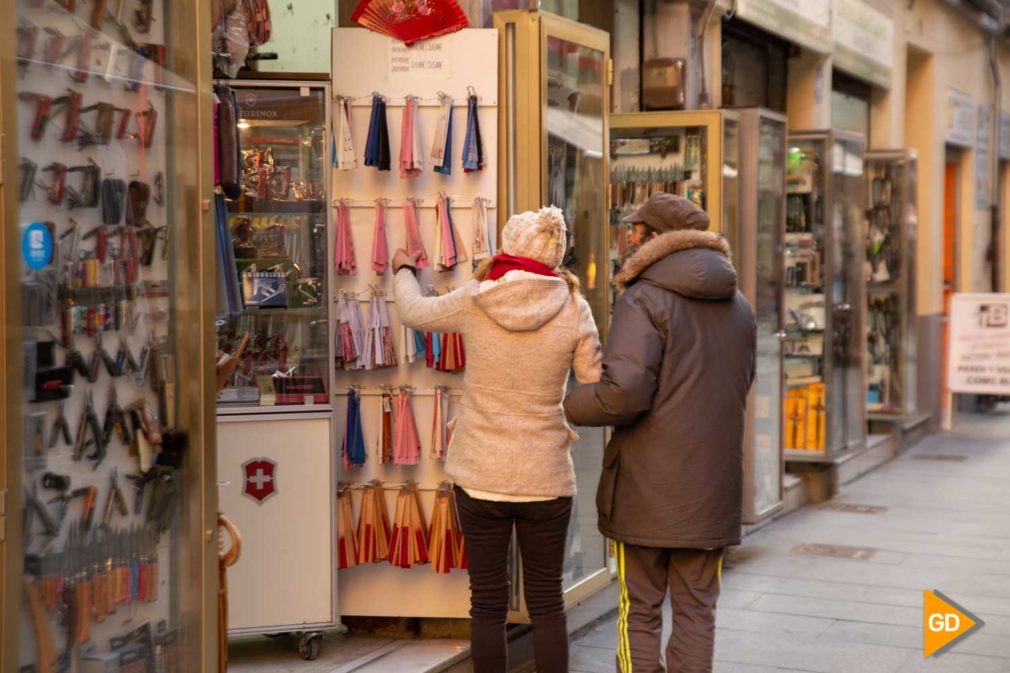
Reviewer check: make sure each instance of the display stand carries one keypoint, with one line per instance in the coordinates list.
(825, 346)
(108, 496)
(890, 229)
(458, 64)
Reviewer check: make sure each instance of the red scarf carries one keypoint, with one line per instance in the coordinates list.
(504, 263)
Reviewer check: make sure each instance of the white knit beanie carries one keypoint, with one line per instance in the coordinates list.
(537, 235)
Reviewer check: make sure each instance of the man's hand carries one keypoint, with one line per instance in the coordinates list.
(403, 258)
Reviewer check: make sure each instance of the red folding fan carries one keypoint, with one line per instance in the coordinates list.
(410, 21)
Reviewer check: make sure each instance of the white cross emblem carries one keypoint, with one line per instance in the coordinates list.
(260, 479)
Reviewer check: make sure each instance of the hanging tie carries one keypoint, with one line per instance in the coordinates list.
(473, 148)
(377, 145)
(481, 237)
(353, 448)
(344, 260)
(410, 155)
(347, 541)
(408, 443)
(441, 149)
(380, 247)
(386, 426)
(342, 152)
(414, 242)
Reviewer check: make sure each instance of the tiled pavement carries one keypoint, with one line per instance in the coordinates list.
(946, 527)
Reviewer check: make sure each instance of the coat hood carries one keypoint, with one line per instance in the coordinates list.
(522, 302)
(694, 264)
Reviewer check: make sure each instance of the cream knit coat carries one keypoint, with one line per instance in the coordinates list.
(523, 335)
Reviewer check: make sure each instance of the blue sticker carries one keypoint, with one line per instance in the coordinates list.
(37, 246)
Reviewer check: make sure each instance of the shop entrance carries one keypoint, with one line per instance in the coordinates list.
(951, 177)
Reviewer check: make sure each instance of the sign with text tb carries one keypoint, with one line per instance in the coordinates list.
(979, 358)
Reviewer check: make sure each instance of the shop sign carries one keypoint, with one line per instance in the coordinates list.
(864, 41)
(1004, 135)
(805, 22)
(428, 59)
(979, 359)
(960, 119)
(983, 162)
(276, 105)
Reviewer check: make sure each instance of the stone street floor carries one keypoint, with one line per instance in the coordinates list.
(941, 520)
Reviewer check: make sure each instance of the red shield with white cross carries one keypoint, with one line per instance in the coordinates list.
(260, 479)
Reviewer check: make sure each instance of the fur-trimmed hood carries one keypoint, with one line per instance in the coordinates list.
(692, 263)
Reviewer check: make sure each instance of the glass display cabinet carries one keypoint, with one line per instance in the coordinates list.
(825, 343)
(674, 152)
(106, 479)
(889, 228)
(553, 106)
(279, 228)
(757, 239)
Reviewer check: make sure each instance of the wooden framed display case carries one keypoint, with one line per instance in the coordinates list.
(107, 307)
(554, 100)
(825, 344)
(890, 226)
(758, 253)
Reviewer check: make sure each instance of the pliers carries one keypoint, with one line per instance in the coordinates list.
(89, 424)
(116, 421)
(61, 428)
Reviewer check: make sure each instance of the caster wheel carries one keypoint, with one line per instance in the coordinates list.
(309, 645)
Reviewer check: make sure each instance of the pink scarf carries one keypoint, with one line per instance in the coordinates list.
(380, 248)
(344, 260)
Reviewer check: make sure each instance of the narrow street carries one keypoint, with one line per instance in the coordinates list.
(938, 517)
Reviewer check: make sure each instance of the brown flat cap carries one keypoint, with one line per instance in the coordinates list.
(669, 212)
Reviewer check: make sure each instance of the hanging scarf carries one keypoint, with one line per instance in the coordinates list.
(450, 252)
(414, 242)
(386, 425)
(344, 260)
(439, 424)
(351, 339)
(373, 525)
(411, 159)
(347, 541)
(481, 237)
(409, 344)
(379, 351)
(473, 147)
(380, 248)
(342, 144)
(407, 450)
(441, 149)
(409, 543)
(353, 448)
(377, 146)
(503, 263)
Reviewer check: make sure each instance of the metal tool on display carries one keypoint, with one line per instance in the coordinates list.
(27, 170)
(52, 50)
(143, 17)
(61, 429)
(88, 195)
(116, 501)
(56, 189)
(116, 421)
(45, 652)
(90, 425)
(147, 122)
(27, 35)
(43, 110)
(81, 46)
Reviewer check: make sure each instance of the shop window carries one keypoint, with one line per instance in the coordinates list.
(754, 67)
(850, 104)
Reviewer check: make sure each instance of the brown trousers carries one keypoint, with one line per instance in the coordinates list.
(646, 575)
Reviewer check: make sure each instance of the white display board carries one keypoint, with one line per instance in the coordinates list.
(979, 359)
(284, 577)
(365, 62)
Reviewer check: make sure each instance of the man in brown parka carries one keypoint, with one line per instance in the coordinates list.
(678, 366)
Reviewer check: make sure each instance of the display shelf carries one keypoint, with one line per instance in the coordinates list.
(110, 483)
(889, 232)
(824, 301)
(279, 226)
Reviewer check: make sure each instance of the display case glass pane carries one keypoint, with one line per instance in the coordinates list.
(731, 181)
(768, 311)
(805, 284)
(889, 228)
(278, 227)
(108, 190)
(576, 80)
(848, 341)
